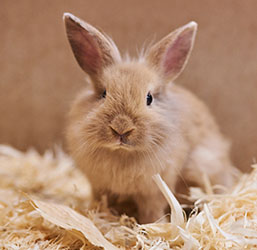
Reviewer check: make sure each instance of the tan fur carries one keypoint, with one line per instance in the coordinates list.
(174, 136)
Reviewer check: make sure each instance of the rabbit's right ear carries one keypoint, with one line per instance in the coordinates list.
(93, 50)
(170, 55)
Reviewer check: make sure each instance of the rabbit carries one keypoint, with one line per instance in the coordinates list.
(132, 122)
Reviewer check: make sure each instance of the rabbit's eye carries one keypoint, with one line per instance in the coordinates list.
(149, 99)
(104, 94)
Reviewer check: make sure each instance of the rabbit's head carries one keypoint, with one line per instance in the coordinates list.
(129, 110)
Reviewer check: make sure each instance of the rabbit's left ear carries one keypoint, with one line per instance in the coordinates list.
(170, 55)
(93, 50)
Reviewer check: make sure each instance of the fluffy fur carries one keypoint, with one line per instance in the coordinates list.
(119, 142)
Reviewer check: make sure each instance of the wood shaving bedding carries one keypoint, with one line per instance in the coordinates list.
(45, 204)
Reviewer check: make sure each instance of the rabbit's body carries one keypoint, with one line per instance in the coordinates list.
(141, 126)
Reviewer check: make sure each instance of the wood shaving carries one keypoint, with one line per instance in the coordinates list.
(45, 203)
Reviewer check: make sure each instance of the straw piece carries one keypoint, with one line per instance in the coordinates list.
(69, 219)
(177, 216)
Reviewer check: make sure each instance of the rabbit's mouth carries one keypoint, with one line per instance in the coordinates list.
(121, 145)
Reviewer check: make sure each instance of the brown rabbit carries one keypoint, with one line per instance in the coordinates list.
(135, 122)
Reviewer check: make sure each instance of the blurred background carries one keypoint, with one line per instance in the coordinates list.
(39, 76)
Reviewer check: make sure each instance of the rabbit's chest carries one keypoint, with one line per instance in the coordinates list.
(124, 179)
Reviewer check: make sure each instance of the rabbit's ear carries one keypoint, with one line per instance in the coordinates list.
(92, 49)
(170, 55)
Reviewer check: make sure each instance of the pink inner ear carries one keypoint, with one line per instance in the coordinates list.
(176, 55)
(85, 48)
(87, 52)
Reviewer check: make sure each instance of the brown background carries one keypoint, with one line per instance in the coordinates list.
(39, 76)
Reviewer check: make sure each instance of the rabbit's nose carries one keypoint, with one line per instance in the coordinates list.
(121, 134)
(122, 127)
